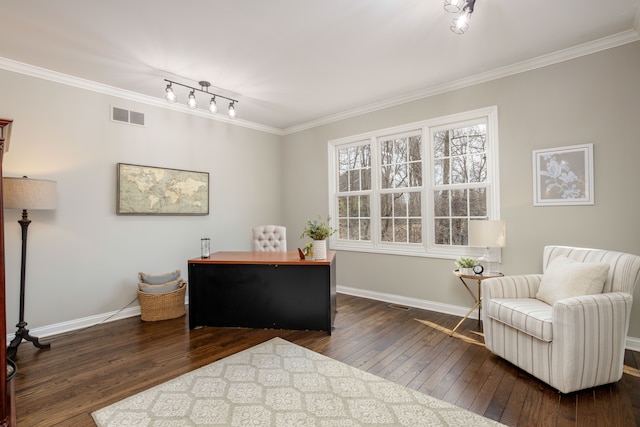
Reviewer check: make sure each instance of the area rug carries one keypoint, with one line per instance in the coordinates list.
(278, 383)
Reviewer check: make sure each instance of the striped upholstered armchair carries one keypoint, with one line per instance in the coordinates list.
(567, 326)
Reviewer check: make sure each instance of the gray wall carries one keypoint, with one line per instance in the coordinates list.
(592, 99)
(83, 259)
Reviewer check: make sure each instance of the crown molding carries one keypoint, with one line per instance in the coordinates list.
(605, 43)
(65, 79)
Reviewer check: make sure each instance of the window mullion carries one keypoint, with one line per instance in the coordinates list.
(375, 188)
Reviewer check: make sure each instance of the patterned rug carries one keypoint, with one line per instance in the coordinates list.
(278, 383)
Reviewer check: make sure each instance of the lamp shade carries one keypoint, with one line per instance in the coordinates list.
(487, 234)
(27, 193)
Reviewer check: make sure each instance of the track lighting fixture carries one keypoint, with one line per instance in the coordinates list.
(192, 102)
(460, 24)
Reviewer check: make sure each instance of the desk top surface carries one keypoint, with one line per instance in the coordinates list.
(281, 258)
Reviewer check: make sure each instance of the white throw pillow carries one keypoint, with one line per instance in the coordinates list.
(566, 278)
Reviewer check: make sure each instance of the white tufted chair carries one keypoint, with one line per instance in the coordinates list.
(576, 343)
(270, 238)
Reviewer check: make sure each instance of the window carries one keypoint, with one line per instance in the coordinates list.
(354, 193)
(413, 189)
(400, 188)
(459, 180)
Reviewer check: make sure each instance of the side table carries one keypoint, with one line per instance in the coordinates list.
(478, 301)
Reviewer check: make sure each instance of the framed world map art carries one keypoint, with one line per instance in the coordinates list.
(148, 190)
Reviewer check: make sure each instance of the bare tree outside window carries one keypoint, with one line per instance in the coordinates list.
(401, 168)
(460, 178)
(354, 210)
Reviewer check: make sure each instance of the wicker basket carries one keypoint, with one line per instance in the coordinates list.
(162, 306)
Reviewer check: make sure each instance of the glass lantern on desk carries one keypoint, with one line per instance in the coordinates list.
(205, 247)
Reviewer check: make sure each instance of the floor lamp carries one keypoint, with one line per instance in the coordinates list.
(488, 234)
(25, 193)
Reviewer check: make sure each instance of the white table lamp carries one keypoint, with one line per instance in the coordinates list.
(488, 234)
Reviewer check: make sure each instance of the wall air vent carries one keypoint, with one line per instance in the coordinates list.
(125, 116)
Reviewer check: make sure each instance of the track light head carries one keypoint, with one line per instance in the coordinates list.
(191, 102)
(213, 107)
(232, 110)
(170, 95)
(461, 23)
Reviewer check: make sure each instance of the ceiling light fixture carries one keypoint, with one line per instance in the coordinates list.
(460, 24)
(192, 102)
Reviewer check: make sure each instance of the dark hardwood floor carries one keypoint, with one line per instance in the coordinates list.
(89, 369)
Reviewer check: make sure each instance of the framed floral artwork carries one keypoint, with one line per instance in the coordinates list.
(563, 176)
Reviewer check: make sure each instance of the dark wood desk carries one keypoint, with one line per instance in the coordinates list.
(262, 290)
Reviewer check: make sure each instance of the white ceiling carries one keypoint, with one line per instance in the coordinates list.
(291, 63)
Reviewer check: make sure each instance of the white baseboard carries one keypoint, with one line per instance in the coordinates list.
(632, 343)
(85, 322)
(455, 310)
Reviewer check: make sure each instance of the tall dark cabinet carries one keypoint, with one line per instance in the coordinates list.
(7, 393)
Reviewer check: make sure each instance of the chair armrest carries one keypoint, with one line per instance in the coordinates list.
(609, 312)
(522, 286)
(593, 328)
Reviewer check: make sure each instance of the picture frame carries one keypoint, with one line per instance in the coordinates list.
(563, 176)
(150, 190)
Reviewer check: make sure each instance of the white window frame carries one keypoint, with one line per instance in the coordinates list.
(427, 248)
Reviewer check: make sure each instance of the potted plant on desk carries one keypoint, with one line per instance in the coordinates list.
(318, 230)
